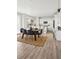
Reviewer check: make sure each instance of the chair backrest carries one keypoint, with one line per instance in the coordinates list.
(22, 30)
(29, 32)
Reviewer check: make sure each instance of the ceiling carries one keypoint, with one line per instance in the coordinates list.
(38, 7)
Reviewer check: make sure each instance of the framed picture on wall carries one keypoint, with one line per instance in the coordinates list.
(45, 22)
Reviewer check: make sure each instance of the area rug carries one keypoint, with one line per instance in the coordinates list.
(40, 41)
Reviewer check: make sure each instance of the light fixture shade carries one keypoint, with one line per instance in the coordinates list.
(59, 9)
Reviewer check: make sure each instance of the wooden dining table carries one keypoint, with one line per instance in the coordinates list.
(33, 31)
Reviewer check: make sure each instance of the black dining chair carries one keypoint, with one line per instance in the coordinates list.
(23, 31)
(30, 32)
(27, 32)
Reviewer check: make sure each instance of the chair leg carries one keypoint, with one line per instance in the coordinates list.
(22, 35)
(35, 37)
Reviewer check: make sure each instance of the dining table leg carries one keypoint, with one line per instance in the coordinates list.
(35, 37)
(22, 36)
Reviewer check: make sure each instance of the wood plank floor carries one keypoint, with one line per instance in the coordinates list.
(58, 49)
(27, 51)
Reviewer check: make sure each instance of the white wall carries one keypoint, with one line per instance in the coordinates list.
(18, 23)
(57, 23)
(26, 20)
(23, 20)
(36, 21)
(50, 22)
